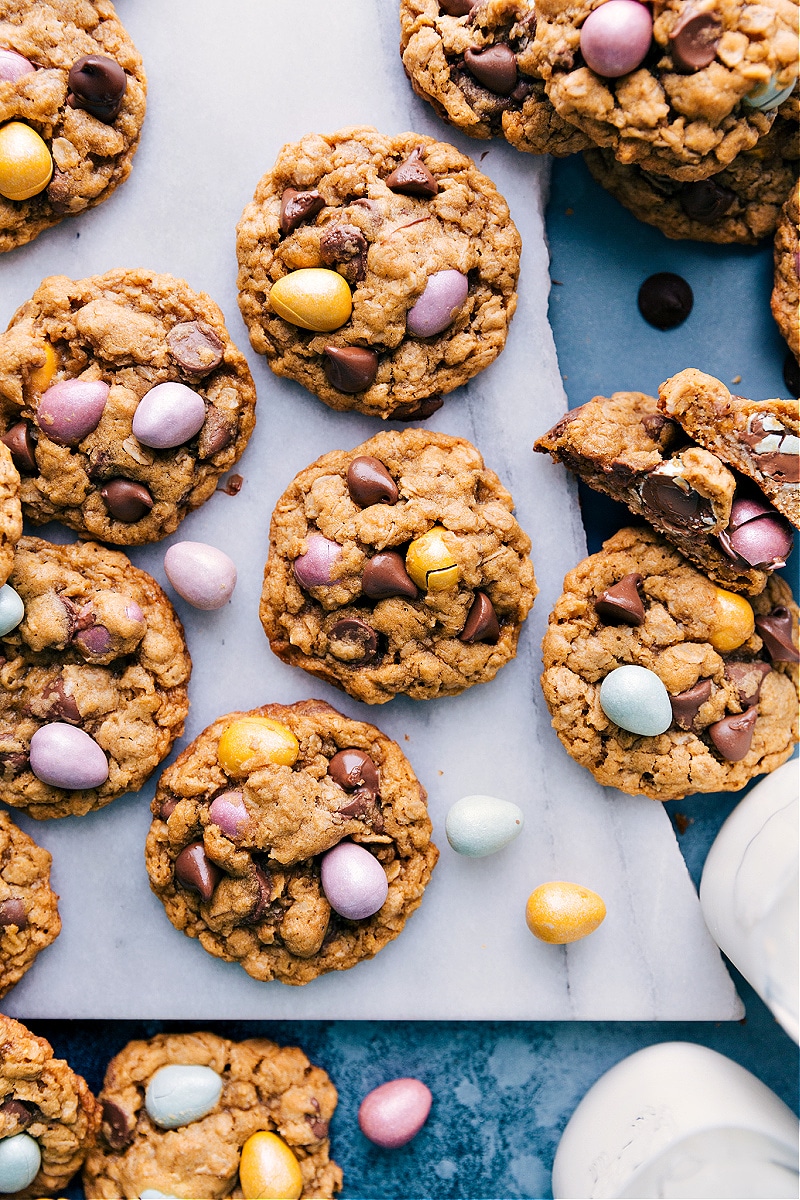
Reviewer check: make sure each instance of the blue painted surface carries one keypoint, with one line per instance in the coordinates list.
(503, 1092)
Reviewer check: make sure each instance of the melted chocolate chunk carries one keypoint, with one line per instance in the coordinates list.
(196, 871)
(13, 912)
(705, 200)
(345, 245)
(495, 68)
(357, 641)
(686, 705)
(775, 630)
(733, 735)
(196, 347)
(412, 177)
(352, 769)
(98, 85)
(118, 1125)
(747, 678)
(681, 506)
(19, 440)
(297, 207)
(622, 603)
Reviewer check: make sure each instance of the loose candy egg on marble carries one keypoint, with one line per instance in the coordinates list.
(636, 699)
(268, 1169)
(615, 37)
(168, 415)
(354, 882)
(66, 757)
(178, 1094)
(203, 575)
(12, 610)
(561, 912)
(313, 298)
(438, 305)
(20, 1160)
(480, 825)
(70, 410)
(392, 1114)
(256, 737)
(25, 163)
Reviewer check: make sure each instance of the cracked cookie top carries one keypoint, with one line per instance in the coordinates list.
(29, 919)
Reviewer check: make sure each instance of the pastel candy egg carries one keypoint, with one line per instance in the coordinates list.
(767, 96)
(229, 812)
(66, 757)
(70, 410)
(13, 66)
(25, 162)
(436, 308)
(481, 825)
(12, 610)
(20, 1159)
(315, 567)
(168, 415)
(616, 37)
(203, 575)
(560, 912)
(268, 1170)
(636, 699)
(429, 562)
(41, 376)
(354, 882)
(178, 1094)
(392, 1114)
(256, 738)
(733, 621)
(155, 1194)
(312, 298)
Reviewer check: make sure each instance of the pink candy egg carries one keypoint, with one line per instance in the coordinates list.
(70, 410)
(616, 37)
(354, 882)
(229, 812)
(13, 66)
(66, 757)
(436, 308)
(315, 567)
(203, 575)
(393, 1114)
(168, 415)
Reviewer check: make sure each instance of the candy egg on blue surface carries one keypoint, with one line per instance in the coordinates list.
(354, 882)
(177, 1094)
(168, 415)
(66, 757)
(480, 825)
(392, 1114)
(12, 610)
(636, 699)
(203, 575)
(20, 1159)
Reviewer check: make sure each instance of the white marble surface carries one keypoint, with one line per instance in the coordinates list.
(223, 97)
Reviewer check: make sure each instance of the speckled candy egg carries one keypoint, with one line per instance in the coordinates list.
(393, 1114)
(203, 575)
(12, 610)
(438, 305)
(636, 699)
(353, 880)
(20, 1159)
(481, 825)
(13, 66)
(66, 757)
(268, 1169)
(615, 37)
(70, 410)
(168, 415)
(316, 567)
(559, 912)
(177, 1094)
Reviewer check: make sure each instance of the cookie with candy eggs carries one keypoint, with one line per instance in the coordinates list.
(786, 290)
(397, 567)
(380, 272)
(663, 684)
(94, 673)
(290, 839)
(72, 103)
(29, 919)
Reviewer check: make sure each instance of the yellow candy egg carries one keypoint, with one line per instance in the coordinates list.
(733, 621)
(562, 912)
(258, 738)
(268, 1170)
(312, 298)
(25, 162)
(430, 564)
(42, 376)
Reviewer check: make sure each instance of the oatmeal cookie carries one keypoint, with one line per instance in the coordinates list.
(472, 62)
(123, 400)
(681, 91)
(29, 918)
(72, 102)
(397, 567)
(732, 693)
(623, 446)
(245, 817)
(10, 512)
(757, 437)
(786, 292)
(42, 1098)
(379, 272)
(99, 660)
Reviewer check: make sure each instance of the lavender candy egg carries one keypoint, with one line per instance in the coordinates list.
(168, 415)
(13, 66)
(315, 567)
(354, 882)
(66, 757)
(757, 534)
(616, 37)
(228, 811)
(203, 575)
(392, 1114)
(436, 308)
(71, 409)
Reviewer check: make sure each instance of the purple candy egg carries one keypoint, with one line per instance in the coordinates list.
(392, 1114)
(71, 409)
(13, 66)
(168, 415)
(436, 308)
(353, 881)
(228, 811)
(616, 37)
(757, 534)
(66, 757)
(203, 575)
(133, 612)
(315, 567)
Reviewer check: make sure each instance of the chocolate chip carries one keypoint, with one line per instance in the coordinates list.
(686, 705)
(369, 482)
(345, 244)
(353, 768)
(457, 8)
(747, 678)
(622, 602)
(127, 501)
(195, 870)
(13, 762)
(19, 440)
(481, 624)
(355, 641)
(98, 85)
(554, 434)
(791, 374)
(350, 369)
(663, 431)
(263, 896)
(495, 68)
(412, 177)
(168, 807)
(195, 346)
(60, 704)
(218, 431)
(665, 300)
(385, 575)
(706, 200)
(681, 506)
(694, 41)
(94, 642)
(18, 1113)
(297, 207)
(118, 1126)
(775, 629)
(733, 736)
(318, 1127)
(59, 192)
(418, 410)
(12, 912)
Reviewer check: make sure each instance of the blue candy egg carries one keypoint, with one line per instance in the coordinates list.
(636, 699)
(12, 610)
(481, 825)
(177, 1095)
(20, 1159)
(767, 96)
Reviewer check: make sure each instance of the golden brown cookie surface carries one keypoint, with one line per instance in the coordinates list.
(786, 290)
(29, 919)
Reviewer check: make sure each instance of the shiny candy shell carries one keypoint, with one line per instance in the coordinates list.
(733, 621)
(20, 1159)
(177, 1094)
(203, 575)
(25, 162)
(392, 1114)
(636, 699)
(168, 415)
(66, 757)
(354, 882)
(768, 96)
(481, 825)
(13, 66)
(429, 562)
(12, 610)
(268, 1169)
(313, 298)
(561, 912)
(615, 37)
(438, 305)
(70, 410)
(258, 738)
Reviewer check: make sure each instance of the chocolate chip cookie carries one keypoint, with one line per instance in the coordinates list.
(249, 819)
(44, 1101)
(639, 633)
(397, 567)
(379, 272)
(122, 400)
(472, 62)
(29, 918)
(786, 291)
(760, 438)
(72, 102)
(10, 513)
(623, 446)
(93, 679)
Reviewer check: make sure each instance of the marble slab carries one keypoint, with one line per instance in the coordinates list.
(224, 95)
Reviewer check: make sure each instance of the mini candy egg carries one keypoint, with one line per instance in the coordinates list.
(70, 410)
(767, 96)
(313, 298)
(25, 162)
(560, 912)
(20, 1160)
(66, 757)
(733, 621)
(481, 825)
(268, 1170)
(252, 737)
(177, 1095)
(42, 376)
(168, 415)
(315, 567)
(354, 882)
(392, 1114)
(636, 699)
(430, 564)
(229, 812)
(13, 66)
(12, 610)
(615, 37)
(203, 575)
(436, 308)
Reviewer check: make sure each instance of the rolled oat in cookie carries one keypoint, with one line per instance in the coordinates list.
(786, 290)
(29, 919)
